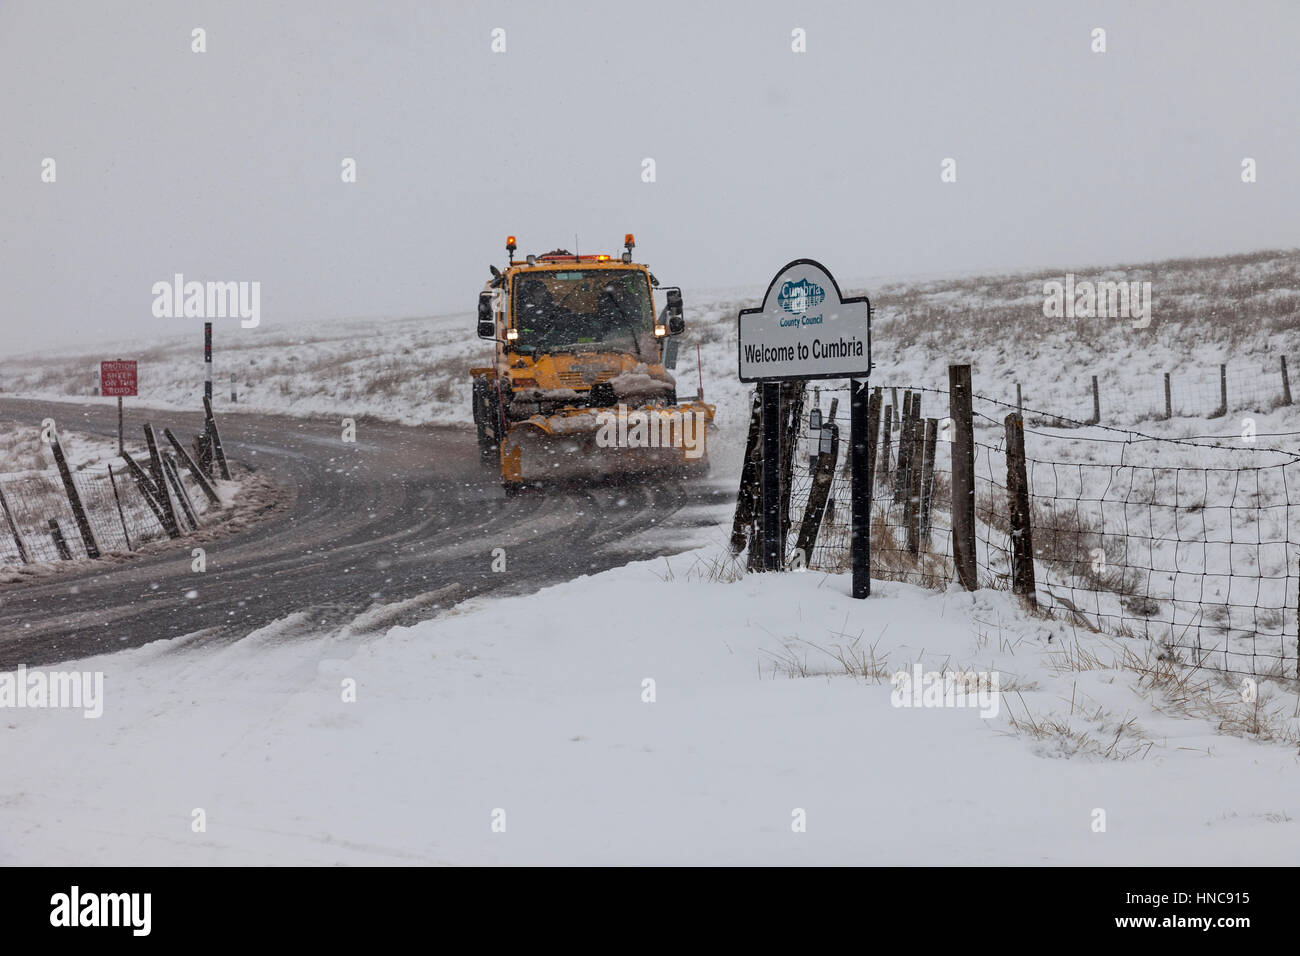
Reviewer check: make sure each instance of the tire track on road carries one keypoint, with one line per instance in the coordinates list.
(402, 513)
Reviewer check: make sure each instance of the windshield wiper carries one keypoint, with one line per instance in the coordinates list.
(616, 305)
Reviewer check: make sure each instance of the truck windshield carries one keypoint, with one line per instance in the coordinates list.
(583, 310)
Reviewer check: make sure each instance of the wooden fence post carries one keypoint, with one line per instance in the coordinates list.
(13, 528)
(174, 479)
(203, 454)
(888, 424)
(791, 421)
(214, 436)
(60, 542)
(963, 474)
(915, 466)
(927, 478)
(1022, 538)
(1223, 393)
(150, 495)
(1096, 404)
(74, 499)
(746, 496)
(904, 448)
(199, 477)
(1169, 400)
(1286, 384)
(160, 482)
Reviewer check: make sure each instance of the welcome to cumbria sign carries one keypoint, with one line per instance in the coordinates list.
(805, 329)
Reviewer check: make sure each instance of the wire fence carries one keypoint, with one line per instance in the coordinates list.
(1131, 397)
(119, 515)
(1192, 545)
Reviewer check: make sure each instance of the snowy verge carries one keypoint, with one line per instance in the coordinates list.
(771, 696)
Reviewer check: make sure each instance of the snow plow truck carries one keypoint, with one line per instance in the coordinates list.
(578, 387)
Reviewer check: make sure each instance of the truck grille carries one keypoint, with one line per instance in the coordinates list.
(578, 380)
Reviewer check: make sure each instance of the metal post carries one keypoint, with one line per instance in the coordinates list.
(1169, 401)
(700, 372)
(1286, 384)
(859, 408)
(121, 442)
(234, 398)
(207, 360)
(122, 515)
(13, 529)
(771, 477)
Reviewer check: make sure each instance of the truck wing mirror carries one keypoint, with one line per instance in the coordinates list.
(487, 320)
(676, 318)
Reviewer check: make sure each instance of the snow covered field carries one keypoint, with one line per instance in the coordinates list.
(474, 718)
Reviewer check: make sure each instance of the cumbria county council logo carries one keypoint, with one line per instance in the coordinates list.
(799, 297)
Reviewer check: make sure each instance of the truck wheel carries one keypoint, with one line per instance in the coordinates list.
(487, 448)
(487, 444)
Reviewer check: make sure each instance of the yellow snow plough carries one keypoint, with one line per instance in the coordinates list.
(579, 386)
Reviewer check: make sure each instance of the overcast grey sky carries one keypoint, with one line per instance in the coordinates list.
(225, 165)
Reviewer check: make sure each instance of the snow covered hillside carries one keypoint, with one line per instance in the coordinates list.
(1242, 311)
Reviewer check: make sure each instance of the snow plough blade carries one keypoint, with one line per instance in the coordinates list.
(596, 443)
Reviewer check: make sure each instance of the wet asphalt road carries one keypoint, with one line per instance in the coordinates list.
(403, 512)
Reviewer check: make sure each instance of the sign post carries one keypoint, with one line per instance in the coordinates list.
(118, 378)
(769, 482)
(807, 330)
